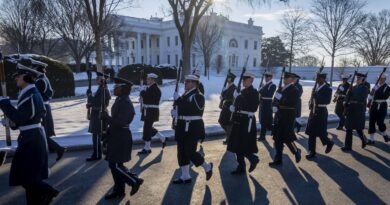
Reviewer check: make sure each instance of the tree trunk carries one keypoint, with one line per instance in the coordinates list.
(186, 56)
(331, 69)
(98, 45)
(78, 65)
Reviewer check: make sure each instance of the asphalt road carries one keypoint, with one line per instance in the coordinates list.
(359, 177)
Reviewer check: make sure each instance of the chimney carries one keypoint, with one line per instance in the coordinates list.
(250, 22)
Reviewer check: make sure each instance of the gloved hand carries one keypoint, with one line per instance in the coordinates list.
(236, 94)
(3, 98)
(274, 109)
(143, 88)
(173, 112)
(5, 122)
(232, 108)
(376, 87)
(278, 95)
(89, 92)
(341, 88)
(176, 96)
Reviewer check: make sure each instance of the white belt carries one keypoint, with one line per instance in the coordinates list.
(29, 127)
(380, 101)
(150, 106)
(264, 98)
(188, 119)
(250, 116)
(46, 102)
(321, 105)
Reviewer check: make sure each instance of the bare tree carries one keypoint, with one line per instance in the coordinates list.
(307, 61)
(334, 23)
(208, 35)
(295, 26)
(373, 38)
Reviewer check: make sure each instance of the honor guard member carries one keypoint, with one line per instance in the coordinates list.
(95, 102)
(339, 98)
(356, 112)
(30, 162)
(378, 109)
(227, 100)
(197, 73)
(150, 112)
(190, 108)
(266, 94)
(43, 85)
(242, 140)
(284, 119)
(318, 122)
(299, 104)
(120, 141)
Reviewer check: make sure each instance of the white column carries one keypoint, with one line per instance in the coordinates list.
(138, 51)
(163, 58)
(147, 61)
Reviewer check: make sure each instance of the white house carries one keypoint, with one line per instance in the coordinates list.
(156, 42)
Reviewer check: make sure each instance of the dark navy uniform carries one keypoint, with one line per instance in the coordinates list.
(340, 98)
(266, 94)
(150, 110)
(242, 140)
(299, 104)
(318, 121)
(95, 102)
(356, 114)
(378, 111)
(284, 122)
(224, 117)
(201, 88)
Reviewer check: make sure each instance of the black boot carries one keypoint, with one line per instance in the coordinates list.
(114, 194)
(329, 147)
(386, 138)
(136, 186)
(275, 163)
(60, 153)
(144, 151)
(49, 196)
(311, 155)
(298, 156)
(253, 165)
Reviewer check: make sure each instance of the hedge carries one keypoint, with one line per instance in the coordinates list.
(168, 72)
(132, 73)
(59, 74)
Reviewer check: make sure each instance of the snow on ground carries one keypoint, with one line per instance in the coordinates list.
(83, 76)
(70, 115)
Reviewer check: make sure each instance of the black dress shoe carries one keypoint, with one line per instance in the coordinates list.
(253, 165)
(346, 149)
(370, 142)
(224, 142)
(386, 138)
(164, 144)
(182, 181)
(364, 144)
(311, 155)
(329, 147)
(48, 196)
(136, 186)
(298, 156)
(60, 153)
(93, 159)
(238, 172)
(114, 194)
(339, 128)
(144, 151)
(209, 174)
(275, 163)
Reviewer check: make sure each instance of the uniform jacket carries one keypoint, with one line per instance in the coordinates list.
(299, 103)
(96, 102)
(356, 108)
(227, 100)
(151, 96)
(379, 102)
(266, 94)
(44, 88)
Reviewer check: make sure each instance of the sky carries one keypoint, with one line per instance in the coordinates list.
(266, 15)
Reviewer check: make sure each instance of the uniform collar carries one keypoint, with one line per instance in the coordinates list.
(319, 88)
(286, 86)
(25, 89)
(186, 93)
(269, 82)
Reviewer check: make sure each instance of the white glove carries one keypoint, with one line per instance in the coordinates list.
(376, 87)
(173, 112)
(176, 96)
(370, 97)
(274, 109)
(232, 108)
(236, 94)
(4, 122)
(3, 98)
(341, 88)
(143, 88)
(278, 95)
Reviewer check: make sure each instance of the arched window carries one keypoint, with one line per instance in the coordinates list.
(233, 43)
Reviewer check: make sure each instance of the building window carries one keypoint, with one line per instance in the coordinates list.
(133, 45)
(158, 42)
(150, 43)
(176, 40)
(255, 45)
(142, 44)
(177, 60)
(142, 59)
(193, 60)
(168, 41)
(246, 44)
(158, 60)
(233, 43)
(169, 59)
(254, 62)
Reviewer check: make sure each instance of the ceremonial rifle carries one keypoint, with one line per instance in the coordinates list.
(312, 103)
(174, 121)
(4, 92)
(349, 92)
(275, 101)
(262, 77)
(238, 89)
(372, 93)
(89, 74)
(141, 80)
(103, 112)
(223, 88)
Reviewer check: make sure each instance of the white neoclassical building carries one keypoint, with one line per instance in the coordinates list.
(156, 42)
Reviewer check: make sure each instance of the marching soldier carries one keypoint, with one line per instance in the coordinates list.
(196, 72)
(150, 112)
(227, 100)
(378, 109)
(299, 103)
(190, 108)
(318, 121)
(339, 98)
(266, 94)
(42, 83)
(284, 119)
(30, 163)
(356, 112)
(95, 102)
(242, 140)
(120, 141)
